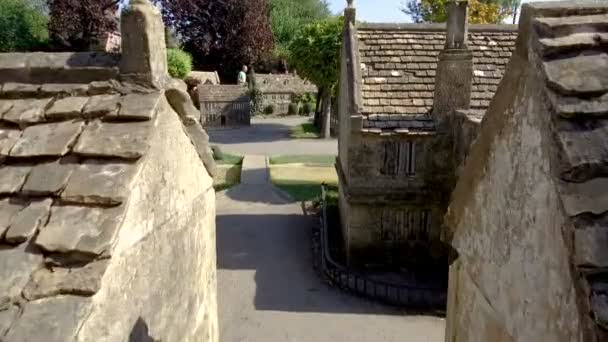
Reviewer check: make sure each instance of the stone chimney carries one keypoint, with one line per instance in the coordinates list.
(350, 13)
(144, 50)
(454, 68)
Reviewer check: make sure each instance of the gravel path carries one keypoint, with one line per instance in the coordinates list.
(268, 290)
(270, 137)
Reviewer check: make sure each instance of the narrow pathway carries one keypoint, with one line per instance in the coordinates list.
(268, 290)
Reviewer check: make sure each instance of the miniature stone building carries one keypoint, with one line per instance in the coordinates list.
(280, 89)
(400, 85)
(107, 210)
(224, 105)
(528, 217)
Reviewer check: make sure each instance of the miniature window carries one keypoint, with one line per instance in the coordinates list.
(399, 159)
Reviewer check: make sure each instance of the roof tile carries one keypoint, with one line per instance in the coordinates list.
(118, 140)
(47, 140)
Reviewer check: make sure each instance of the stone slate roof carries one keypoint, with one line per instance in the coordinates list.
(398, 64)
(575, 64)
(280, 83)
(68, 155)
(223, 93)
(206, 77)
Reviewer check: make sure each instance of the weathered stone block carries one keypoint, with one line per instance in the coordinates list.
(119, 140)
(28, 111)
(48, 179)
(26, 223)
(85, 230)
(137, 107)
(71, 89)
(7, 317)
(99, 182)
(101, 105)
(8, 138)
(144, 55)
(12, 178)
(67, 314)
(589, 197)
(578, 75)
(16, 265)
(8, 209)
(81, 281)
(47, 140)
(66, 108)
(590, 246)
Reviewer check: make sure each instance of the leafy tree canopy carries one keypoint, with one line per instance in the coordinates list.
(315, 52)
(480, 11)
(221, 34)
(288, 16)
(22, 26)
(77, 25)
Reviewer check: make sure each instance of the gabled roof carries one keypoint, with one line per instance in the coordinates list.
(68, 158)
(281, 83)
(398, 64)
(206, 77)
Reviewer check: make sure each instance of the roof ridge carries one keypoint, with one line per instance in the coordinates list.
(434, 27)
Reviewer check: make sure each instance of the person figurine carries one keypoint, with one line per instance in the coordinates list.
(242, 78)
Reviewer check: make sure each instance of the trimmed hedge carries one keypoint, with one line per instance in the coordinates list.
(180, 63)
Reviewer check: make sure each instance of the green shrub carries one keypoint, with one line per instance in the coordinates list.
(292, 109)
(22, 26)
(180, 63)
(256, 101)
(268, 110)
(308, 107)
(301, 110)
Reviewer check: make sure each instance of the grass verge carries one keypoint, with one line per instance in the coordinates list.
(321, 160)
(230, 159)
(305, 131)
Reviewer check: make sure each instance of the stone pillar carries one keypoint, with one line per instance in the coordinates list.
(454, 68)
(144, 51)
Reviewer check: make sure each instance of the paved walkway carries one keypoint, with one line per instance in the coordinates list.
(268, 290)
(270, 137)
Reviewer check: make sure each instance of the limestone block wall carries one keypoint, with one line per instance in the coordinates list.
(224, 105)
(163, 269)
(527, 217)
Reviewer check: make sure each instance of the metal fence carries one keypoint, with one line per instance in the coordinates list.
(422, 298)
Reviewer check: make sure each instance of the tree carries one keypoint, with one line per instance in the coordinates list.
(221, 34)
(288, 16)
(480, 11)
(315, 53)
(22, 25)
(78, 25)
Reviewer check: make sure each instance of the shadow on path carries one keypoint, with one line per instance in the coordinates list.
(277, 247)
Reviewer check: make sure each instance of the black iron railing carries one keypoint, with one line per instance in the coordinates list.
(416, 297)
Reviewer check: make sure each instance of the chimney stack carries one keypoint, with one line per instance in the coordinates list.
(455, 67)
(144, 50)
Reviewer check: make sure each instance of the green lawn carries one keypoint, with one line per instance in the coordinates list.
(325, 160)
(307, 192)
(305, 131)
(230, 159)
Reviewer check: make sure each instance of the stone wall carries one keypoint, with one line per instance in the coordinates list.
(224, 105)
(280, 89)
(107, 207)
(525, 214)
